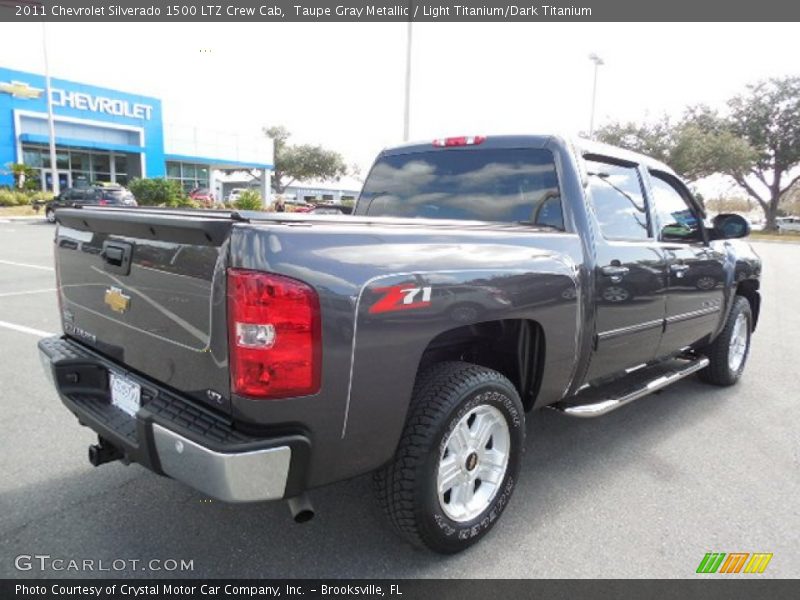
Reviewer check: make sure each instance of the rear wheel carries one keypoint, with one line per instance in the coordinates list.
(728, 353)
(50, 215)
(458, 459)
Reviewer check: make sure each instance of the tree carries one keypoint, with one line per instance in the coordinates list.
(24, 176)
(652, 139)
(790, 201)
(697, 146)
(768, 117)
(304, 161)
(756, 143)
(249, 200)
(158, 192)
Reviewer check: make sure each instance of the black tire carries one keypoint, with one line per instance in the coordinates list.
(719, 371)
(406, 488)
(50, 215)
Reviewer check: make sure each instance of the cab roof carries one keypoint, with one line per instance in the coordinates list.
(580, 145)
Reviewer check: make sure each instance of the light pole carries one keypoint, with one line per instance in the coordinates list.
(50, 123)
(407, 108)
(597, 62)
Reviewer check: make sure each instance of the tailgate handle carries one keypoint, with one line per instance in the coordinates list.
(117, 257)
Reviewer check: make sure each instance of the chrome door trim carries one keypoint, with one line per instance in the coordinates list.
(644, 326)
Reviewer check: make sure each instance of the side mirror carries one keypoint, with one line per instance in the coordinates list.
(730, 226)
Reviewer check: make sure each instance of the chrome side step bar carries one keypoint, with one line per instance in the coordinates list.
(595, 402)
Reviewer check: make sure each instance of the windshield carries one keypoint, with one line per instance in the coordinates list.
(493, 184)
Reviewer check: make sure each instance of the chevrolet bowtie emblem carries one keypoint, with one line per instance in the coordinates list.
(118, 301)
(20, 89)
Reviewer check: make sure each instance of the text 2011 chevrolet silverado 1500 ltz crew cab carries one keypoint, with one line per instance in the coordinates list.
(254, 356)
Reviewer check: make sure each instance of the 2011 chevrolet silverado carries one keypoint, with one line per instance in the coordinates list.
(254, 356)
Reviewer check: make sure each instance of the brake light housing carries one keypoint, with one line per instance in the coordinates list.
(274, 335)
(463, 140)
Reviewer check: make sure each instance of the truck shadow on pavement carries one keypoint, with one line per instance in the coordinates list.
(141, 516)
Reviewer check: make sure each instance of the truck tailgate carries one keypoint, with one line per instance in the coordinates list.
(146, 288)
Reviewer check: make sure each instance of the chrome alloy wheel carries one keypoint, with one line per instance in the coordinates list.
(739, 342)
(473, 463)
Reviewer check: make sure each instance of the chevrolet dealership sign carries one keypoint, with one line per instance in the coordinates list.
(109, 106)
(80, 100)
(110, 122)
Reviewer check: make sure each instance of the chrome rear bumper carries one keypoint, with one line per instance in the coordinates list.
(232, 477)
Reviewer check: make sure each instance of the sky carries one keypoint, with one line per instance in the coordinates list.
(341, 84)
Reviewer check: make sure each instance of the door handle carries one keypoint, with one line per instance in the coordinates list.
(615, 272)
(117, 257)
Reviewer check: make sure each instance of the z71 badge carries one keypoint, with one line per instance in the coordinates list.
(401, 297)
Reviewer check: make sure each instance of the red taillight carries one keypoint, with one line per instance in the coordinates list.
(274, 335)
(103, 202)
(464, 140)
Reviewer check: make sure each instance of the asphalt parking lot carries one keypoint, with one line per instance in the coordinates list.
(642, 492)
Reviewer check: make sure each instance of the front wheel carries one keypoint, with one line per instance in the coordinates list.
(50, 215)
(728, 353)
(458, 459)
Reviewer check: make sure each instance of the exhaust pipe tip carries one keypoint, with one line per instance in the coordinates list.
(94, 455)
(301, 508)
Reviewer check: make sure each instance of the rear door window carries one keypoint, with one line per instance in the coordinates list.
(492, 184)
(615, 192)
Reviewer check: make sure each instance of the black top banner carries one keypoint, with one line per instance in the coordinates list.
(389, 11)
(466, 589)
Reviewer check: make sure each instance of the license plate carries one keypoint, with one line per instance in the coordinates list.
(125, 394)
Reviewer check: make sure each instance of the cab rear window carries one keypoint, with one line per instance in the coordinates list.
(488, 184)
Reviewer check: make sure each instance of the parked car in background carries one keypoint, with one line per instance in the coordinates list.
(203, 196)
(100, 195)
(325, 209)
(331, 209)
(297, 205)
(234, 194)
(787, 224)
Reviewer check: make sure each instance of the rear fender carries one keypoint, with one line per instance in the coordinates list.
(398, 315)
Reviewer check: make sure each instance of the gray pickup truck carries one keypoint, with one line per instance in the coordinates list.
(255, 356)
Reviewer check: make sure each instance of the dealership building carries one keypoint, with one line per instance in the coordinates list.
(105, 135)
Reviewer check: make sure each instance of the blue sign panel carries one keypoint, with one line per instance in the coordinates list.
(86, 117)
